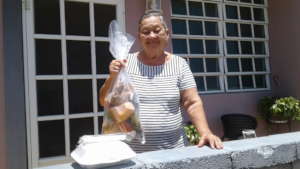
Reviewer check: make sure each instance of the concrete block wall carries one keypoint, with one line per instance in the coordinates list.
(280, 151)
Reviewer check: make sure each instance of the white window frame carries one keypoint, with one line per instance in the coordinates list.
(30, 77)
(223, 37)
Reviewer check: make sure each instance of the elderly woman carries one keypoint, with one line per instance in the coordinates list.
(165, 85)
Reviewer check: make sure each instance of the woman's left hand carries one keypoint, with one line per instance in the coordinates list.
(211, 139)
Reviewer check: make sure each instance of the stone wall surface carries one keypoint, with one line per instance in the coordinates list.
(271, 152)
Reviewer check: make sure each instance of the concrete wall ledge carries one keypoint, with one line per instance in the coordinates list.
(263, 152)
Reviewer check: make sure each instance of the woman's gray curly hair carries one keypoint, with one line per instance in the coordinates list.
(153, 13)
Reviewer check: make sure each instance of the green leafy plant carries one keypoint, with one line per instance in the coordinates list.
(192, 134)
(286, 107)
(264, 106)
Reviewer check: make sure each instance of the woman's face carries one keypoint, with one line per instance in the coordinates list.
(153, 35)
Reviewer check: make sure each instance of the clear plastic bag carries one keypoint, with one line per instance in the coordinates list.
(121, 102)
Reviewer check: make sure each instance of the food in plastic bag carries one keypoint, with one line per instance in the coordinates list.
(121, 102)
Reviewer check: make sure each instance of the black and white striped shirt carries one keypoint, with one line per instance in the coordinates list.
(158, 88)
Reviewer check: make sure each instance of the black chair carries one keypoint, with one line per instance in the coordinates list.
(233, 124)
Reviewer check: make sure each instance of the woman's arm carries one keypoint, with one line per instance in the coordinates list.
(193, 105)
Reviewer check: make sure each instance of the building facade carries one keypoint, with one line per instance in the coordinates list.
(54, 58)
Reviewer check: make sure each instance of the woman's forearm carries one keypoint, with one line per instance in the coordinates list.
(104, 89)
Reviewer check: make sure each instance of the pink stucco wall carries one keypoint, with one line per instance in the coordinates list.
(2, 117)
(215, 104)
(284, 29)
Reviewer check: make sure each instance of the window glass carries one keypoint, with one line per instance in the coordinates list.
(80, 101)
(233, 65)
(196, 46)
(212, 46)
(232, 29)
(232, 47)
(50, 97)
(103, 57)
(178, 26)
(79, 57)
(233, 82)
(260, 48)
(246, 47)
(178, 7)
(179, 46)
(211, 10)
(247, 82)
(195, 8)
(260, 81)
(200, 83)
(259, 1)
(48, 57)
(211, 28)
(102, 23)
(212, 65)
(246, 30)
(260, 64)
(195, 28)
(245, 13)
(231, 12)
(77, 23)
(47, 16)
(212, 83)
(246, 64)
(259, 14)
(245, 1)
(196, 65)
(51, 138)
(78, 128)
(259, 31)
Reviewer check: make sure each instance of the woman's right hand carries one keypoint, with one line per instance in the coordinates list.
(115, 67)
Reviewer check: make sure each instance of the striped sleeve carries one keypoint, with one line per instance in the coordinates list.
(186, 78)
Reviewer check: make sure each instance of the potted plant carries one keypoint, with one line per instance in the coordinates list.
(279, 110)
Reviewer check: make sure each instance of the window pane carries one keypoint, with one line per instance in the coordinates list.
(48, 57)
(78, 128)
(211, 28)
(246, 47)
(259, 1)
(200, 83)
(260, 81)
(246, 1)
(100, 82)
(259, 14)
(178, 7)
(247, 65)
(246, 30)
(212, 83)
(232, 0)
(195, 8)
(51, 138)
(231, 12)
(50, 97)
(212, 46)
(79, 57)
(245, 13)
(46, 16)
(196, 46)
(233, 65)
(211, 10)
(232, 29)
(232, 47)
(100, 121)
(260, 48)
(195, 27)
(80, 96)
(260, 64)
(247, 82)
(196, 65)
(103, 57)
(179, 46)
(102, 23)
(178, 26)
(212, 65)
(77, 23)
(259, 31)
(233, 82)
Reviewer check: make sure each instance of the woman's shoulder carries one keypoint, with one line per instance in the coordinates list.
(178, 59)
